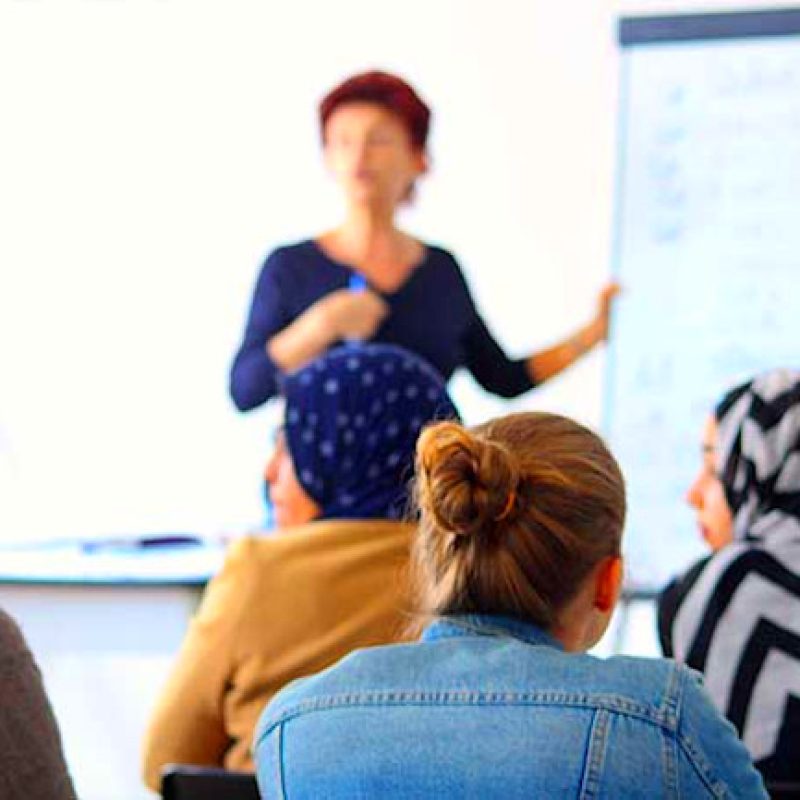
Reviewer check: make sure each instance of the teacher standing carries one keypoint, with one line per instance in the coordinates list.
(366, 279)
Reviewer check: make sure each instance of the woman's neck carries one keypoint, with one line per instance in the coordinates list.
(368, 233)
(369, 241)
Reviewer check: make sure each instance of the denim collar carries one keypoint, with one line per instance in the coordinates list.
(487, 625)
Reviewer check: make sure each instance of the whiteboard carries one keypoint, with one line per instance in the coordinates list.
(707, 249)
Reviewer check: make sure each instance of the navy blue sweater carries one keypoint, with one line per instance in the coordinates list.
(431, 314)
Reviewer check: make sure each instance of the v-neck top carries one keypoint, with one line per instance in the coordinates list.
(431, 314)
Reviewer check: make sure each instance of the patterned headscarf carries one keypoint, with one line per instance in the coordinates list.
(759, 453)
(352, 420)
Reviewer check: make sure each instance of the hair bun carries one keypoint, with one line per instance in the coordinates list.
(466, 484)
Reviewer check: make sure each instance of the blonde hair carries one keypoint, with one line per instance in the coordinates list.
(513, 515)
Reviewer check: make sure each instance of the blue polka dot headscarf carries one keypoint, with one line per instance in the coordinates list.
(352, 420)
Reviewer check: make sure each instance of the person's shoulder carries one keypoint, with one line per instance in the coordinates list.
(441, 268)
(253, 552)
(649, 685)
(281, 547)
(11, 639)
(710, 743)
(436, 250)
(725, 571)
(258, 575)
(674, 593)
(290, 253)
(439, 256)
(292, 701)
(256, 565)
(669, 693)
(364, 676)
(15, 655)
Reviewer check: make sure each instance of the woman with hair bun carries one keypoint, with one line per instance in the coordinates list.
(518, 568)
(367, 279)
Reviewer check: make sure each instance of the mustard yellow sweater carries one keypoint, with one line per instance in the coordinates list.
(282, 607)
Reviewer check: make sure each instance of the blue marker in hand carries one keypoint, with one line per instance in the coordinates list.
(356, 283)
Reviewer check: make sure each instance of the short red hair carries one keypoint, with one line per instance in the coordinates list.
(383, 89)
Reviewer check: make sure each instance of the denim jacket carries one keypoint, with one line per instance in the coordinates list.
(488, 707)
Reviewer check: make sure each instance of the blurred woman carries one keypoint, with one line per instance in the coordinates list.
(331, 580)
(519, 568)
(735, 615)
(366, 279)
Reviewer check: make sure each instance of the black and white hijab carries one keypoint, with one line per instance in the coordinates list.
(735, 616)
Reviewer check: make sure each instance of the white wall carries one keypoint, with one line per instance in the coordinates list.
(154, 151)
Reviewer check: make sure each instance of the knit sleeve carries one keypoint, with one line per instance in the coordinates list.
(492, 368)
(253, 378)
(486, 360)
(188, 724)
(31, 759)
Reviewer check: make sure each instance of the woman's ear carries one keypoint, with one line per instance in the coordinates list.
(609, 584)
(422, 161)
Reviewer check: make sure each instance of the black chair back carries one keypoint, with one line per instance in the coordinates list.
(189, 782)
(784, 790)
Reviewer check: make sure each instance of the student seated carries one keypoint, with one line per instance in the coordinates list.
(519, 568)
(735, 615)
(31, 759)
(330, 579)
